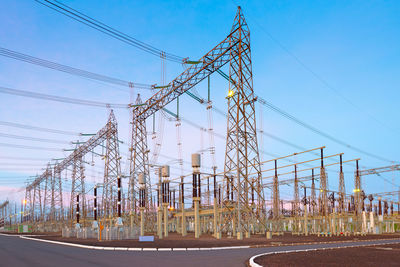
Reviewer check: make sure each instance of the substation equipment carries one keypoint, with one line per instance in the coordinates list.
(233, 204)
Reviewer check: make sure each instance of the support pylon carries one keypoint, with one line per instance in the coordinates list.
(357, 191)
(112, 167)
(242, 157)
(78, 187)
(29, 203)
(313, 201)
(57, 208)
(139, 162)
(47, 198)
(342, 188)
(275, 201)
(323, 182)
(296, 205)
(37, 209)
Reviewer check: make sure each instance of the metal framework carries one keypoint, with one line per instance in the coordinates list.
(139, 163)
(242, 157)
(112, 167)
(47, 188)
(238, 206)
(395, 167)
(242, 161)
(78, 187)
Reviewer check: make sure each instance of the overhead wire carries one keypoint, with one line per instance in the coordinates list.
(20, 164)
(29, 138)
(102, 27)
(265, 103)
(36, 128)
(71, 70)
(30, 147)
(307, 126)
(318, 77)
(61, 99)
(317, 131)
(23, 158)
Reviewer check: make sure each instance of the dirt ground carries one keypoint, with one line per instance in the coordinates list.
(382, 255)
(177, 241)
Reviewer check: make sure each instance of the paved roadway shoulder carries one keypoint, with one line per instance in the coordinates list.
(15, 251)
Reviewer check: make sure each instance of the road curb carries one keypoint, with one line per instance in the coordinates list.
(318, 243)
(253, 264)
(8, 234)
(126, 248)
(181, 249)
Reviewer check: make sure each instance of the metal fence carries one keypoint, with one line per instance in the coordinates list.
(108, 233)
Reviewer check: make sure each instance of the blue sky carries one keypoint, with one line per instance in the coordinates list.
(332, 64)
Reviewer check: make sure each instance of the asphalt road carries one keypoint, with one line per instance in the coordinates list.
(15, 252)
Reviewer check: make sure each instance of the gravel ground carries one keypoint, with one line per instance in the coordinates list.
(382, 255)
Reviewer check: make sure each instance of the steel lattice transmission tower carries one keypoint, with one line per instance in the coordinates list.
(275, 201)
(313, 200)
(342, 188)
(47, 198)
(48, 186)
(37, 211)
(242, 161)
(323, 187)
(139, 157)
(112, 167)
(28, 202)
(296, 204)
(78, 186)
(358, 197)
(57, 208)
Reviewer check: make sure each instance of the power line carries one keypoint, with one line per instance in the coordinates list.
(20, 164)
(19, 177)
(316, 75)
(307, 126)
(201, 100)
(33, 139)
(35, 128)
(10, 182)
(24, 158)
(386, 179)
(70, 70)
(30, 147)
(276, 138)
(319, 132)
(77, 16)
(99, 26)
(62, 99)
